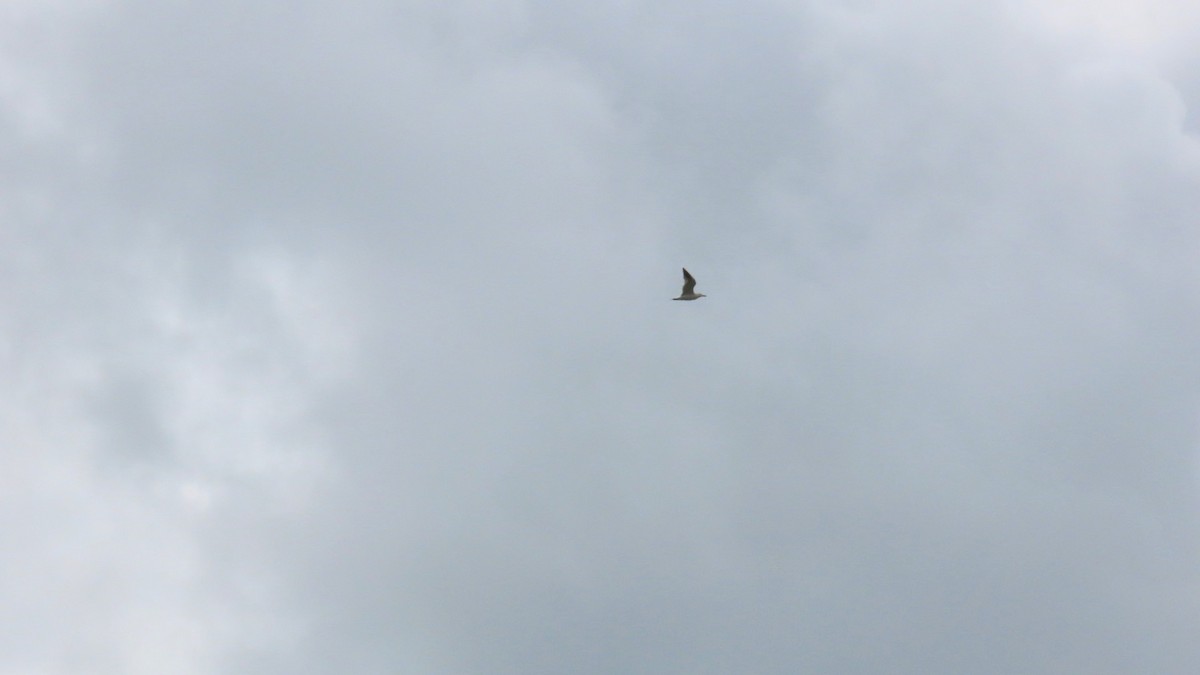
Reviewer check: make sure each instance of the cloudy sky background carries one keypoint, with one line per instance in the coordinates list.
(336, 337)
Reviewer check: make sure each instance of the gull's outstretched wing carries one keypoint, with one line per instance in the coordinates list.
(689, 283)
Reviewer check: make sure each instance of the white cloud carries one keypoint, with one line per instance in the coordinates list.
(1157, 29)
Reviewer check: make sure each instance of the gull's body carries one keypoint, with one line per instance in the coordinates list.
(689, 288)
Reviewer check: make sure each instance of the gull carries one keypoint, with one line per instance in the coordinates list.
(689, 288)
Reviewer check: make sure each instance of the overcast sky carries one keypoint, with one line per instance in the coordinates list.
(336, 337)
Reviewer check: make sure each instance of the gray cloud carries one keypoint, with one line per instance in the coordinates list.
(338, 339)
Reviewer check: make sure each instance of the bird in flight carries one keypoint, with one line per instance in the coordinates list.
(689, 288)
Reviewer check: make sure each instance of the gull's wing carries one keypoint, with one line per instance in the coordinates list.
(689, 283)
